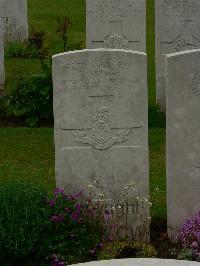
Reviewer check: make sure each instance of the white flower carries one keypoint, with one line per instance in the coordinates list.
(145, 200)
(90, 187)
(100, 195)
(148, 218)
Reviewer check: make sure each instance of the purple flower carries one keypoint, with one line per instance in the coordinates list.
(57, 218)
(76, 195)
(52, 203)
(67, 210)
(190, 235)
(56, 262)
(74, 216)
(110, 238)
(59, 191)
(78, 207)
(92, 252)
(100, 245)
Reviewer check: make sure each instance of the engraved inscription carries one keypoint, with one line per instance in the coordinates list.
(196, 164)
(116, 9)
(196, 84)
(181, 8)
(11, 30)
(101, 136)
(116, 41)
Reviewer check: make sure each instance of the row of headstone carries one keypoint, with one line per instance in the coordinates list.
(121, 24)
(13, 27)
(177, 29)
(101, 105)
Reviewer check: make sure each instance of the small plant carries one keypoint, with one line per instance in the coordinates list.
(75, 227)
(63, 27)
(189, 237)
(119, 250)
(37, 39)
(185, 254)
(57, 261)
(119, 216)
(20, 50)
(156, 117)
(22, 220)
(32, 99)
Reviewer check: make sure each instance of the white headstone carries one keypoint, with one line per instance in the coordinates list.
(177, 29)
(101, 121)
(15, 20)
(116, 24)
(2, 72)
(139, 262)
(183, 137)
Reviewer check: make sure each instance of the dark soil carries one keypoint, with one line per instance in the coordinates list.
(160, 240)
(127, 252)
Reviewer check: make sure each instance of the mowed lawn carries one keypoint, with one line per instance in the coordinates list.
(28, 154)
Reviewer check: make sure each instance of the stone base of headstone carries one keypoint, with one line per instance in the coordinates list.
(139, 262)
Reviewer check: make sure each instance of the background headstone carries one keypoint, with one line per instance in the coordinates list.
(101, 121)
(15, 20)
(177, 29)
(116, 24)
(183, 137)
(2, 72)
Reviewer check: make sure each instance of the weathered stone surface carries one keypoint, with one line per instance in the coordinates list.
(140, 262)
(116, 24)
(183, 137)
(15, 20)
(2, 72)
(177, 29)
(101, 121)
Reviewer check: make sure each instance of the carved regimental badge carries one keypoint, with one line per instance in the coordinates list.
(185, 40)
(101, 136)
(116, 41)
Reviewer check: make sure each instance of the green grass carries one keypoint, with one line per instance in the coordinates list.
(151, 49)
(29, 153)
